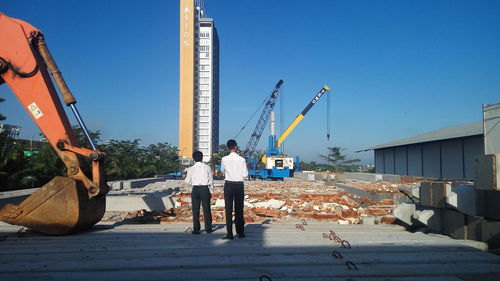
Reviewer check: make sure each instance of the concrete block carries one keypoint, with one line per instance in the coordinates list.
(273, 203)
(431, 218)
(464, 198)
(220, 203)
(374, 196)
(116, 185)
(138, 183)
(474, 230)
(433, 194)
(320, 177)
(453, 224)
(139, 202)
(490, 233)
(413, 192)
(404, 212)
(368, 221)
(487, 172)
(362, 176)
(304, 176)
(490, 204)
(391, 178)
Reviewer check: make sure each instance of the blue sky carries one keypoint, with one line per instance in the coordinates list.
(396, 68)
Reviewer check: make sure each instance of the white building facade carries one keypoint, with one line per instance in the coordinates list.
(206, 88)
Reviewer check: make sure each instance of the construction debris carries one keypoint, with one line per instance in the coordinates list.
(285, 200)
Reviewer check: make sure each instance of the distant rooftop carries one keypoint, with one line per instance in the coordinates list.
(467, 130)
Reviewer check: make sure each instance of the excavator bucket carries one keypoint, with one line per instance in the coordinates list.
(62, 206)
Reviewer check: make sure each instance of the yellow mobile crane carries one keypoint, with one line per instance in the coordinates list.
(278, 166)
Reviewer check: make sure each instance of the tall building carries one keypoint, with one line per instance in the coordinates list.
(199, 82)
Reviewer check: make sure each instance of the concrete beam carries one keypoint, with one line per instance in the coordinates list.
(490, 204)
(404, 212)
(304, 176)
(370, 177)
(374, 196)
(454, 224)
(391, 178)
(139, 202)
(433, 194)
(431, 218)
(487, 172)
(490, 233)
(465, 198)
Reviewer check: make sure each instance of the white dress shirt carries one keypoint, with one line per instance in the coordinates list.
(234, 167)
(199, 174)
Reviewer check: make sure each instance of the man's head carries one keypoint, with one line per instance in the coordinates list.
(232, 145)
(197, 156)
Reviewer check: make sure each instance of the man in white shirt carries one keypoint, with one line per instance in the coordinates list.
(200, 177)
(235, 171)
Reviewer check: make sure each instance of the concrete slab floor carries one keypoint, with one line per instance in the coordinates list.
(280, 251)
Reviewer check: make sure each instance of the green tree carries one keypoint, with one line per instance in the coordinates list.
(2, 117)
(128, 160)
(339, 161)
(82, 139)
(217, 157)
(162, 158)
(12, 163)
(124, 159)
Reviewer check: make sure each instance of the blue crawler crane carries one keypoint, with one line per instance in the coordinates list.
(277, 166)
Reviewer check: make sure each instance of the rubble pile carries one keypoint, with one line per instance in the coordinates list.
(277, 201)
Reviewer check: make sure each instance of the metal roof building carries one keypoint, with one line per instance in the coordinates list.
(447, 153)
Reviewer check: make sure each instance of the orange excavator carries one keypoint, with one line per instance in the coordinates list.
(65, 204)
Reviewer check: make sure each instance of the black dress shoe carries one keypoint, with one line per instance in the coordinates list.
(241, 235)
(228, 236)
(209, 230)
(195, 232)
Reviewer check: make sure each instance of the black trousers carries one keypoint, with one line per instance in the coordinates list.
(234, 192)
(201, 194)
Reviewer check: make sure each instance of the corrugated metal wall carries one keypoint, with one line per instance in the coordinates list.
(447, 159)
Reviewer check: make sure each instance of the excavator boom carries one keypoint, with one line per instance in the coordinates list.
(65, 204)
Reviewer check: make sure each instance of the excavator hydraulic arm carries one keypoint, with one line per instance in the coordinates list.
(65, 204)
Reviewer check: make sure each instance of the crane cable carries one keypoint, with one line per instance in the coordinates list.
(282, 118)
(328, 116)
(251, 117)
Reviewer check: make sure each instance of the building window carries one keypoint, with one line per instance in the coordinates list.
(204, 105)
(203, 119)
(204, 74)
(204, 48)
(203, 131)
(204, 99)
(204, 87)
(204, 93)
(206, 55)
(205, 61)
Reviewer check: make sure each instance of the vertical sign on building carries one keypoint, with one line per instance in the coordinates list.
(186, 95)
